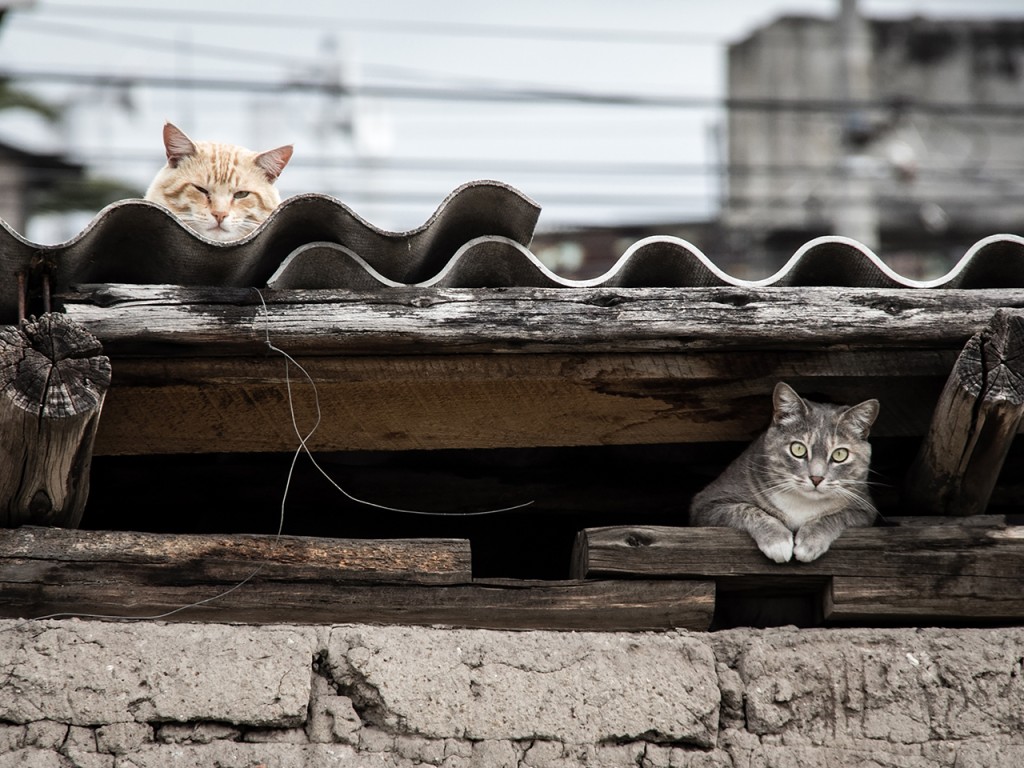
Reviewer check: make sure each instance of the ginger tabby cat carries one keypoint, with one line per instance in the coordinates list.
(222, 191)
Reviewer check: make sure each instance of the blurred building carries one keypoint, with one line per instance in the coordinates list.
(589, 252)
(904, 134)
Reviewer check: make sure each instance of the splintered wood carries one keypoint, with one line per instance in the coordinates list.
(974, 424)
(53, 381)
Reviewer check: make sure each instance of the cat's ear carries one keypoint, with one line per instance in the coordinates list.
(178, 145)
(789, 406)
(273, 161)
(860, 417)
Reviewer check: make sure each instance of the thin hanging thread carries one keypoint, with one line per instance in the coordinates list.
(302, 448)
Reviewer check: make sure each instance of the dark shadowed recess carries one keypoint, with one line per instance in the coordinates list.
(571, 489)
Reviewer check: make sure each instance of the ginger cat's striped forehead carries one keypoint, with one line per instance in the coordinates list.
(222, 191)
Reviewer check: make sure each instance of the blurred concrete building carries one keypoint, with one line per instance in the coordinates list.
(903, 134)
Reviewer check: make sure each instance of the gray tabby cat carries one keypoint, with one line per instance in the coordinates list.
(801, 483)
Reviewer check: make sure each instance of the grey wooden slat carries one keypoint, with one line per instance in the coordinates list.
(262, 579)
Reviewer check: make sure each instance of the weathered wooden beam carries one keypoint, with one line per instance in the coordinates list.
(491, 401)
(53, 381)
(171, 321)
(678, 552)
(260, 579)
(407, 369)
(914, 599)
(212, 560)
(886, 573)
(977, 417)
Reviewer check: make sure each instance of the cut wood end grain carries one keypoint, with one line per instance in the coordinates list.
(53, 382)
(974, 423)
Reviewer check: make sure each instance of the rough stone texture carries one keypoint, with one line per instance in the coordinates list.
(332, 718)
(114, 695)
(897, 687)
(123, 738)
(90, 673)
(566, 687)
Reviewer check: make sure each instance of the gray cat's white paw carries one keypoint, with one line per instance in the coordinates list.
(810, 548)
(779, 550)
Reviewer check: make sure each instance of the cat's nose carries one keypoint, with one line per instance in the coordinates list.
(816, 479)
(219, 216)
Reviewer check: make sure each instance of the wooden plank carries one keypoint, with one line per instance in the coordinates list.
(881, 572)
(214, 578)
(46, 555)
(165, 320)
(611, 606)
(981, 521)
(408, 369)
(977, 418)
(677, 552)
(179, 405)
(53, 381)
(923, 599)
(890, 552)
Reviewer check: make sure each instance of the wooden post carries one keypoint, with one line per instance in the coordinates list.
(974, 423)
(53, 379)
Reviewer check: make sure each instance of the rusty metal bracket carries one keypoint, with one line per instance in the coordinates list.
(35, 289)
(22, 299)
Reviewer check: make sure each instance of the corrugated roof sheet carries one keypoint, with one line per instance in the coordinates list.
(478, 237)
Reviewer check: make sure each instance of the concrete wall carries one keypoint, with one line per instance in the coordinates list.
(76, 693)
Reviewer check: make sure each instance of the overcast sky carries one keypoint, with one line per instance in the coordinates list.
(450, 91)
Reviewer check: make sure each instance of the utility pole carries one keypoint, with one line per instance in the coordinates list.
(856, 211)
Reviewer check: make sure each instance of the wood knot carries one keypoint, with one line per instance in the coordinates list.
(639, 539)
(606, 299)
(423, 302)
(889, 305)
(733, 298)
(41, 506)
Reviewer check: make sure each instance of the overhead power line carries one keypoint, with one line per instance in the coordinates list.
(512, 96)
(618, 199)
(253, 18)
(180, 47)
(561, 168)
(95, 34)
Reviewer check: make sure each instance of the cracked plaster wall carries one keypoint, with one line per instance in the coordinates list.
(118, 695)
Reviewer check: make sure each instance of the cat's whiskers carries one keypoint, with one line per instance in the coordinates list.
(857, 499)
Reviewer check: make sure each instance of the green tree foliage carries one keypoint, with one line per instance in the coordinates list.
(71, 193)
(15, 98)
(81, 194)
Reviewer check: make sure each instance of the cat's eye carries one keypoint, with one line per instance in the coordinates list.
(241, 195)
(798, 449)
(203, 190)
(840, 455)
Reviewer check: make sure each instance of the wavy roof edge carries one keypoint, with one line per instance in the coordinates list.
(659, 261)
(478, 237)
